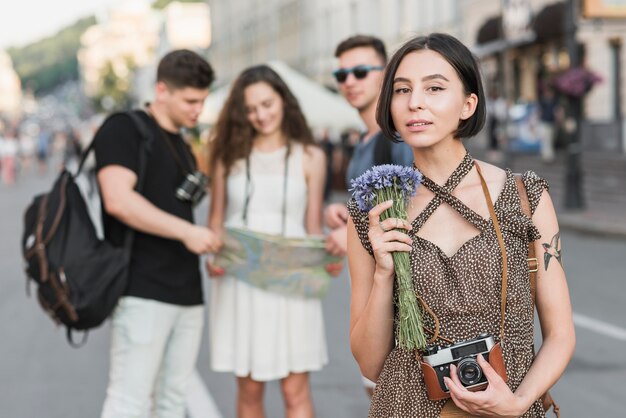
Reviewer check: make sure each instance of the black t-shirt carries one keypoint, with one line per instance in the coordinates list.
(161, 269)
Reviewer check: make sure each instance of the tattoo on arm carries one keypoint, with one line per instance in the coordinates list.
(553, 249)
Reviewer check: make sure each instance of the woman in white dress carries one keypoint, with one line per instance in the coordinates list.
(268, 176)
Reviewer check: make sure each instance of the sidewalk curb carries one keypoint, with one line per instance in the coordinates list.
(576, 223)
(570, 221)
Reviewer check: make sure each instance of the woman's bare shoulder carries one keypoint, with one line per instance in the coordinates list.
(490, 169)
(313, 153)
(492, 173)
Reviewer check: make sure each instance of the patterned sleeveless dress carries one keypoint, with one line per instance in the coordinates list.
(464, 291)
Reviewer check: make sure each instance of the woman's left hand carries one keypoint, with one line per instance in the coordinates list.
(495, 401)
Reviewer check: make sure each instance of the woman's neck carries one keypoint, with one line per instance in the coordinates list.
(270, 142)
(439, 162)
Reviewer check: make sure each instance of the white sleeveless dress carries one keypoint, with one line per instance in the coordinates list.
(253, 332)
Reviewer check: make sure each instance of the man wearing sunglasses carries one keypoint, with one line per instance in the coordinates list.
(362, 61)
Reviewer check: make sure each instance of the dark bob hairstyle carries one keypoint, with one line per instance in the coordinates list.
(465, 65)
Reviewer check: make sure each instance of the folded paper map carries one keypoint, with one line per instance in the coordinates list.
(289, 266)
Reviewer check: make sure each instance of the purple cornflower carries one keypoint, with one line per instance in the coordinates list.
(399, 182)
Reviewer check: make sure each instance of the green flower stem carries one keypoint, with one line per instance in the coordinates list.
(410, 329)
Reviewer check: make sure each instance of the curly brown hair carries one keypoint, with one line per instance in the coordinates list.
(234, 133)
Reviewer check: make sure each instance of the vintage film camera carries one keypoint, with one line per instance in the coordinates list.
(193, 188)
(436, 363)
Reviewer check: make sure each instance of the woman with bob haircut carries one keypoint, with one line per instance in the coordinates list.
(468, 239)
(268, 176)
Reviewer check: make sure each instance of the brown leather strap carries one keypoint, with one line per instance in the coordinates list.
(505, 270)
(40, 247)
(435, 332)
(533, 264)
(42, 241)
(548, 402)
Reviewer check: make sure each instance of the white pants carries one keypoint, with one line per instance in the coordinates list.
(154, 348)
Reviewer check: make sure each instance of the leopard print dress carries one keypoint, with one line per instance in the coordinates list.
(464, 291)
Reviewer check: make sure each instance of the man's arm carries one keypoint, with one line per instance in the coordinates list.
(124, 203)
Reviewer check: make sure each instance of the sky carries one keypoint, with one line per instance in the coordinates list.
(24, 21)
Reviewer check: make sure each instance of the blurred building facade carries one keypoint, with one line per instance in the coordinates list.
(10, 87)
(304, 34)
(133, 37)
(181, 26)
(521, 43)
(523, 65)
(127, 38)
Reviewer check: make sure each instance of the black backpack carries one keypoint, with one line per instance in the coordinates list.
(79, 276)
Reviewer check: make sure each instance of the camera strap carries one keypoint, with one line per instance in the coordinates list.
(505, 270)
(533, 266)
(190, 163)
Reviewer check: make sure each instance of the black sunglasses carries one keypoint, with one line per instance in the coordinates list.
(360, 72)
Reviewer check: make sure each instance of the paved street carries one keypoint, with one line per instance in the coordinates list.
(41, 376)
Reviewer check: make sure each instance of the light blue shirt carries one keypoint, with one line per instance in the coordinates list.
(363, 156)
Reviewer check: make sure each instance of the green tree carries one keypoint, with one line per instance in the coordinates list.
(44, 64)
(162, 4)
(114, 92)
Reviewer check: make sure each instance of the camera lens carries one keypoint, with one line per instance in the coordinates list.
(469, 371)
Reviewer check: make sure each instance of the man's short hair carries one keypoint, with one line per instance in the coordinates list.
(359, 41)
(183, 68)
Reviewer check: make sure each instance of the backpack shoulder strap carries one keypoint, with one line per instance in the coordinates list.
(141, 127)
(382, 150)
(146, 144)
(533, 264)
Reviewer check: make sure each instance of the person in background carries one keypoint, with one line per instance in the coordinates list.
(496, 116)
(268, 176)
(548, 115)
(157, 324)
(9, 151)
(362, 61)
(44, 141)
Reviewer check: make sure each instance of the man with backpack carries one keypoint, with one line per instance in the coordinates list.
(157, 324)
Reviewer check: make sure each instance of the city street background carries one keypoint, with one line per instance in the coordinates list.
(64, 65)
(42, 376)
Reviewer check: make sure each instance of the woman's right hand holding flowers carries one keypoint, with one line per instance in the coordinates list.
(387, 237)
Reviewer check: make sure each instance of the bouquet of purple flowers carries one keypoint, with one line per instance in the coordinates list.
(393, 182)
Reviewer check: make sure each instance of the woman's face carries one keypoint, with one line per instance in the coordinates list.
(264, 108)
(428, 100)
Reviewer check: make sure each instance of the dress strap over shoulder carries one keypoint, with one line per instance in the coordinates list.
(455, 178)
(443, 194)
